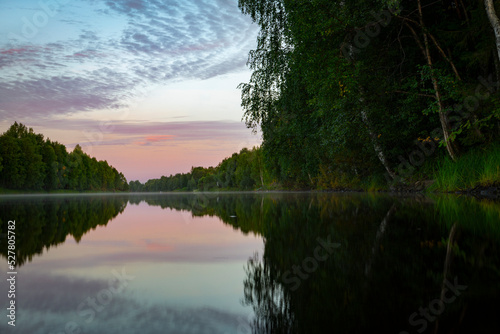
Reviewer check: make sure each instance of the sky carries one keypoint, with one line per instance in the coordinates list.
(148, 85)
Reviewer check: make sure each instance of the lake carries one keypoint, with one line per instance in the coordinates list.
(250, 263)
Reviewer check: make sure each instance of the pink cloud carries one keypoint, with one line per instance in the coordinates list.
(154, 139)
(22, 49)
(86, 54)
(12, 51)
(158, 138)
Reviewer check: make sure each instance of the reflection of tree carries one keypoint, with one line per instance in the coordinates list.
(45, 222)
(266, 296)
(328, 297)
(406, 269)
(404, 242)
(389, 265)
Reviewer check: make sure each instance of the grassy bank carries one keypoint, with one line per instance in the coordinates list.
(480, 168)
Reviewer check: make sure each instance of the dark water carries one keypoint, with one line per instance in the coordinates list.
(251, 263)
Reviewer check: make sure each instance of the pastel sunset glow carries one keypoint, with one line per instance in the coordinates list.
(150, 86)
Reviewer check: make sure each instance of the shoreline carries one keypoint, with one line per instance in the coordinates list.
(491, 192)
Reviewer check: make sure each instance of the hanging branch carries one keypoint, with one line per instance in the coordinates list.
(434, 40)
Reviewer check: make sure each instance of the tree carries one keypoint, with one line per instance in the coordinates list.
(35, 163)
(13, 174)
(268, 62)
(49, 158)
(495, 22)
(343, 89)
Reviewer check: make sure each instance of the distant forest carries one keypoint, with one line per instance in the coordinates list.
(242, 171)
(30, 162)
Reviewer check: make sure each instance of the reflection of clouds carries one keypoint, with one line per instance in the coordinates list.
(157, 245)
(155, 253)
(107, 243)
(48, 303)
(56, 293)
(159, 41)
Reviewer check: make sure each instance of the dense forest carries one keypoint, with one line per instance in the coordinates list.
(373, 89)
(369, 94)
(30, 162)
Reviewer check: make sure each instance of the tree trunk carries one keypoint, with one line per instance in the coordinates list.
(378, 237)
(497, 68)
(376, 145)
(495, 22)
(261, 172)
(443, 118)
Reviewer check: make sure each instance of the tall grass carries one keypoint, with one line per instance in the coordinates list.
(374, 183)
(475, 168)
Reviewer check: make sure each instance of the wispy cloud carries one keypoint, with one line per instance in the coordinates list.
(154, 139)
(156, 133)
(137, 63)
(102, 68)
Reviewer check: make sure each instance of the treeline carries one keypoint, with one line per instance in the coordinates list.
(242, 171)
(345, 91)
(30, 162)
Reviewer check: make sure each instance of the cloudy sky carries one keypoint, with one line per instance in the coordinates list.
(148, 85)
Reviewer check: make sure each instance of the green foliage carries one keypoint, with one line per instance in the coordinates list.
(333, 80)
(31, 163)
(242, 171)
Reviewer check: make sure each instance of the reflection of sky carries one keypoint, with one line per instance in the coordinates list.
(188, 277)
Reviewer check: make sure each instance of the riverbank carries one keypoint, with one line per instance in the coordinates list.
(476, 169)
(476, 173)
(487, 192)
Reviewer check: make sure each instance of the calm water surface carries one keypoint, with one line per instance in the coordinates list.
(252, 263)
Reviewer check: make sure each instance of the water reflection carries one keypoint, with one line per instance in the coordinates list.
(410, 265)
(330, 263)
(43, 223)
